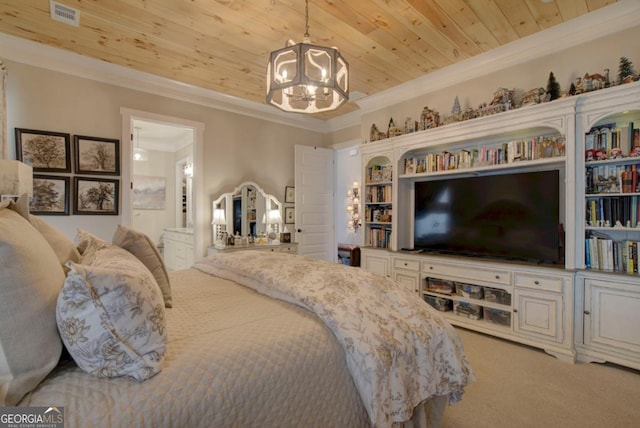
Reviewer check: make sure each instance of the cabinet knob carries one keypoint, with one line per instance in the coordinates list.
(405, 263)
(497, 276)
(515, 311)
(536, 282)
(587, 312)
(431, 267)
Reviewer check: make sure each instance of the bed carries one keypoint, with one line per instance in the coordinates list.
(241, 345)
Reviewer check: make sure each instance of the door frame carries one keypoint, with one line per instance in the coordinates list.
(200, 224)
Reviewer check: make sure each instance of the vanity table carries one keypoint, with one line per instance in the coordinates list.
(248, 210)
(282, 248)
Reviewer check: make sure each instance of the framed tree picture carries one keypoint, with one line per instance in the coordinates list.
(96, 156)
(44, 151)
(289, 195)
(50, 195)
(289, 215)
(95, 196)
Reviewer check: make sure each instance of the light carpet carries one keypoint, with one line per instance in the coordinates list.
(518, 387)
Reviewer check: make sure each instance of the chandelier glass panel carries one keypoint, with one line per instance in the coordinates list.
(306, 78)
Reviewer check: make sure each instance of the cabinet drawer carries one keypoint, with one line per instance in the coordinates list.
(288, 249)
(406, 264)
(493, 276)
(179, 237)
(539, 282)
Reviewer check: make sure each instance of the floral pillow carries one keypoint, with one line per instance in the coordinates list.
(110, 314)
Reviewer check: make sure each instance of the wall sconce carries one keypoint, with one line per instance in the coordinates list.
(219, 221)
(188, 169)
(353, 208)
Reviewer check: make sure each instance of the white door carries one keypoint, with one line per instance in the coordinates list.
(314, 179)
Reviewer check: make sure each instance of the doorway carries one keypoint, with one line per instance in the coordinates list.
(163, 168)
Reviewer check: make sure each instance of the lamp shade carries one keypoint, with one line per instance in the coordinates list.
(274, 216)
(16, 178)
(218, 217)
(305, 78)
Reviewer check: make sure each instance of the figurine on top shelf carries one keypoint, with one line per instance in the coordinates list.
(502, 101)
(534, 96)
(393, 130)
(375, 134)
(626, 72)
(593, 82)
(429, 119)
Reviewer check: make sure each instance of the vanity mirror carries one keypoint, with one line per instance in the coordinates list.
(249, 211)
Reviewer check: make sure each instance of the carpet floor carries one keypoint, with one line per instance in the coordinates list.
(518, 387)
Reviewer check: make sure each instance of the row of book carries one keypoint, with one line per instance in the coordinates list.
(381, 214)
(513, 151)
(612, 211)
(611, 178)
(379, 194)
(603, 253)
(378, 173)
(379, 237)
(610, 140)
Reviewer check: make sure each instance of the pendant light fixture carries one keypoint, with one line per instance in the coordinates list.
(304, 78)
(138, 153)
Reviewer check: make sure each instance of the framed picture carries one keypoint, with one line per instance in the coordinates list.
(96, 156)
(289, 195)
(45, 151)
(97, 196)
(149, 193)
(50, 195)
(289, 215)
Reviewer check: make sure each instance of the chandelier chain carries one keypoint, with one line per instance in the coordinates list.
(306, 14)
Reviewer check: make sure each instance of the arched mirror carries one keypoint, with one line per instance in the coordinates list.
(248, 211)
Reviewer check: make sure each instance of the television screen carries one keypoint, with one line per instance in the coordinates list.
(511, 216)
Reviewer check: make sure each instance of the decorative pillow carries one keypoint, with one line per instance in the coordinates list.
(30, 278)
(62, 246)
(142, 247)
(85, 240)
(110, 315)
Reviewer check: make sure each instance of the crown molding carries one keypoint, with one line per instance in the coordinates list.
(56, 59)
(605, 21)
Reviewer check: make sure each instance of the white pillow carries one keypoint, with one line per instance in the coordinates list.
(140, 245)
(30, 278)
(111, 316)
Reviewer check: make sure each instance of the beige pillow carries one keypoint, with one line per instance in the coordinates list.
(141, 246)
(111, 315)
(30, 278)
(62, 246)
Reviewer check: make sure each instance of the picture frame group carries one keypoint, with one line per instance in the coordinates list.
(56, 166)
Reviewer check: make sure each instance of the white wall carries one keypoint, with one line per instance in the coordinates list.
(236, 147)
(153, 221)
(591, 57)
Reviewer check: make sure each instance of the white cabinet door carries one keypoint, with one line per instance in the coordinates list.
(374, 263)
(408, 279)
(612, 316)
(539, 314)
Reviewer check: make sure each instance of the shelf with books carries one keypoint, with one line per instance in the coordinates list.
(548, 147)
(378, 201)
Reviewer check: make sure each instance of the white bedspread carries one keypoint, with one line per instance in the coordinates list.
(234, 358)
(399, 350)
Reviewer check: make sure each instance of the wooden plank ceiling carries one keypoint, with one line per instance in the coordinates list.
(223, 45)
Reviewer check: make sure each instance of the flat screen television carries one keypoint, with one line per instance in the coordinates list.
(511, 216)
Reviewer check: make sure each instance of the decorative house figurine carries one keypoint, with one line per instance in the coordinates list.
(375, 134)
(393, 130)
(533, 96)
(410, 125)
(429, 119)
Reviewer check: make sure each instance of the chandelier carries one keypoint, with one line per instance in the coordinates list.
(304, 78)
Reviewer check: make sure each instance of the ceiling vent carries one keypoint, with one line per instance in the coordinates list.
(64, 14)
